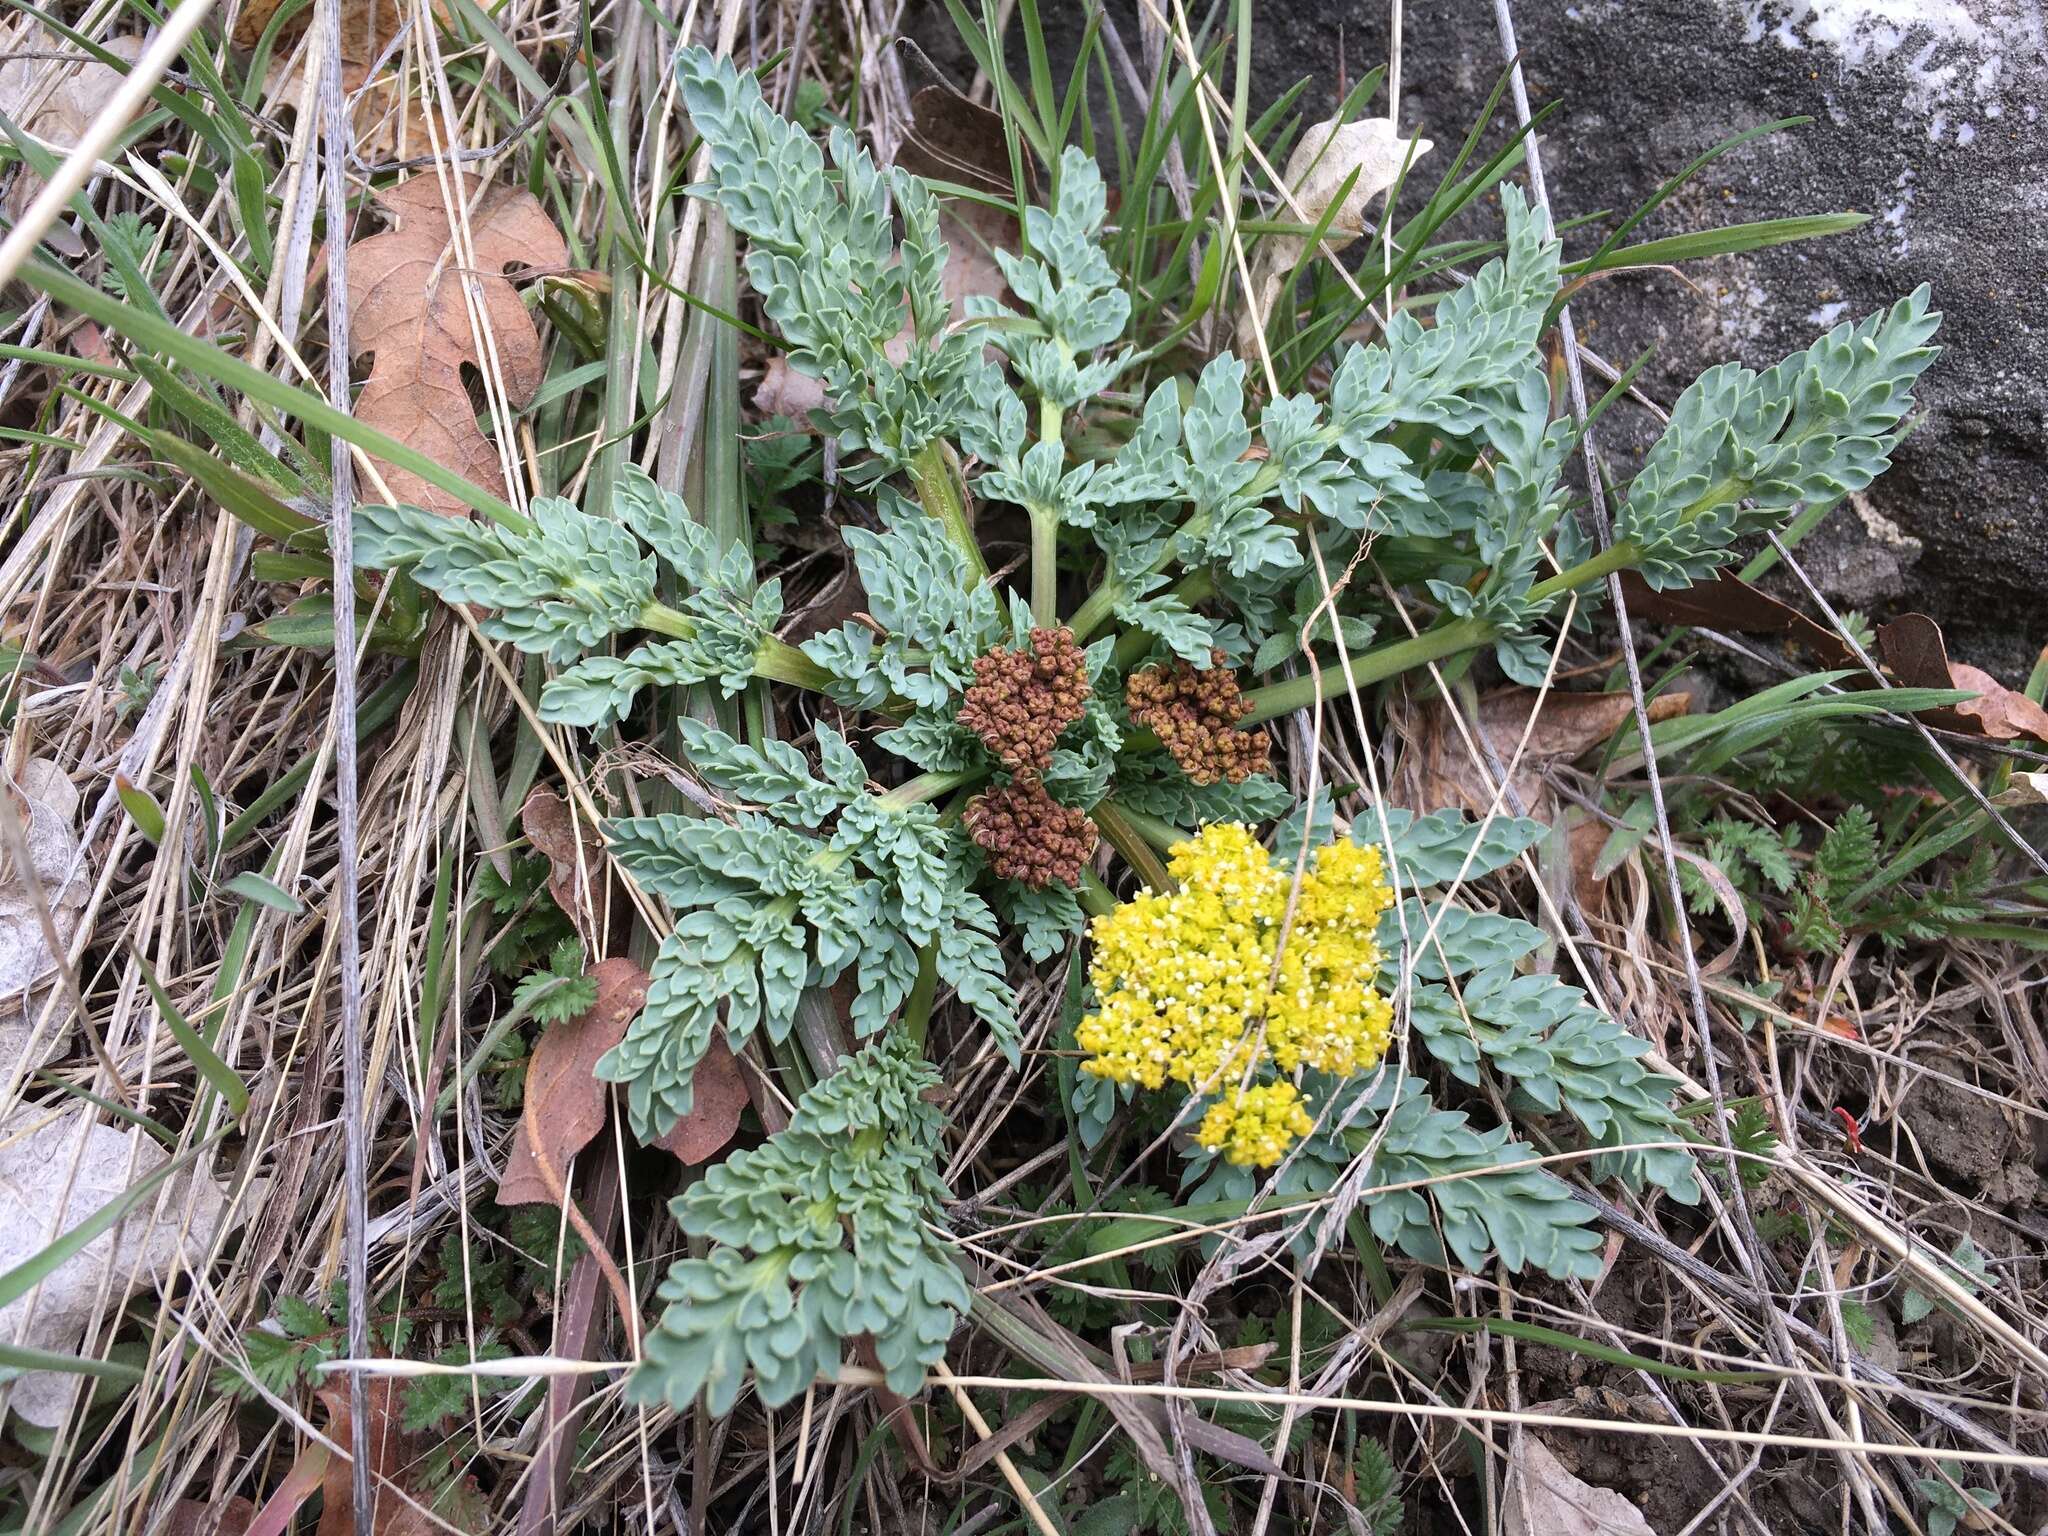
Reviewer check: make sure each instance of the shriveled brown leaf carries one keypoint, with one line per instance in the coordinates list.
(573, 849)
(2024, 789)
(1913, 648)
(785, 392)
(1357, 160)
(405, 1493)
(952, 138)
(718, 1092)
(2001, 713)
(1546, 1500)
(367, 26)
(408, 312)
(1437, 770)
(387, 114)
(569, 1102)
(1725, 601)
(1586, 840)
(60, 115)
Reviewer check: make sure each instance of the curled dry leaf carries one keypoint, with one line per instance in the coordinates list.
(569, 1102)
(1725, 601)
(46, 801)
(952, 138)
(574, 851)
(2023, 790)
(1317, 172)
(30, 58)
(785, 392)
(45, 1155)
(1913, 648)
(409, 1499)
(408, 312)
(1437, 768)
(1543, 1499)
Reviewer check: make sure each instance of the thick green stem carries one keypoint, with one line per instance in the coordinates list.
(917, 1008)
(1162, 835)
(929, 786)
(1374, 666)
(780, 662)
(1045, 568)
(1446, 639)
(777, 661)
(1101, 602)
(1124, 838)
(940, 492)
(1096, 898)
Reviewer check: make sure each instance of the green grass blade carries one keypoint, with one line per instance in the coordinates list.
(205, 1060)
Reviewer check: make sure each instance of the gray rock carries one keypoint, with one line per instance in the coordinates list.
(1927, 117)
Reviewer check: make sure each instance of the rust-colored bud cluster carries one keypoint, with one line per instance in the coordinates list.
(1030, 837)
(1021, 700)
(1194, 715)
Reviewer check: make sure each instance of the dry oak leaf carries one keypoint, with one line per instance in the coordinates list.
(387, 115)
(1545, 1500)
(407, 310)
(1437, 768)
(45, 1155)
(406, 1496)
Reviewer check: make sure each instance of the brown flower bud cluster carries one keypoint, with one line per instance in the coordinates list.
(1021, 700)
(1030, 837)
(1194, 715)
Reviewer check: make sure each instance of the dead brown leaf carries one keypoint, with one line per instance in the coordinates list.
(2001, 713)
(403, 1483)
(785, 392)
(387, 115)
(570, 1103)
(408, 313)
(1587, 839)
(1437, 770)
(718, 1092)
(1912, 647)
(1725, 601)
(952, 138)
(573, 849)
(367, 26)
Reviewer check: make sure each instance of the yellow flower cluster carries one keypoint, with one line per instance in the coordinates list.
(1189, 990)
(1255, 1128)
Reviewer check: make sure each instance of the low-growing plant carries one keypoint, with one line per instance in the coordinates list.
(973, 745)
